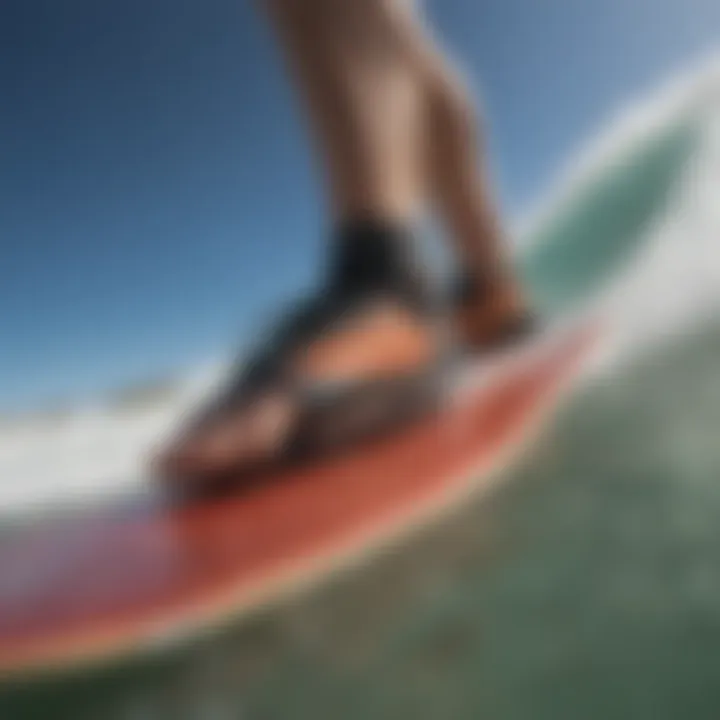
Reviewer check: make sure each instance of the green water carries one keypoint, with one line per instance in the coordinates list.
(606, 220)
(587, 587)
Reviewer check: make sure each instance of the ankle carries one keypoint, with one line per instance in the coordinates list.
(487, 289)
(378, 256)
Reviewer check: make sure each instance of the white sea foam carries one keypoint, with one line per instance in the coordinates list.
(673, 286)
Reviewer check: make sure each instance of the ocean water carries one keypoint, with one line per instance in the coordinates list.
(587, 586)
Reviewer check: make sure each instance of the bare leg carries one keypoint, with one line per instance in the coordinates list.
(457, 178)
(393, 129)
(364, 101)
(396, 129)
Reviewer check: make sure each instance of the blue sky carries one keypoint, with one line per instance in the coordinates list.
(157, 197)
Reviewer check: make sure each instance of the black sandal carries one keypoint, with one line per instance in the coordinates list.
(372, 263)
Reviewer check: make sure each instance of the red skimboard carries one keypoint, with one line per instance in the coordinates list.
(116, 582)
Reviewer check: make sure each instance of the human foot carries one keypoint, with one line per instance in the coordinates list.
(487, 315)
(360, 354)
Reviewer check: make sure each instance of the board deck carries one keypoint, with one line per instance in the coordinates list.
(118, 581)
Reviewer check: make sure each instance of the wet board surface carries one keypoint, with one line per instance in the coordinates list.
(117, 581)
